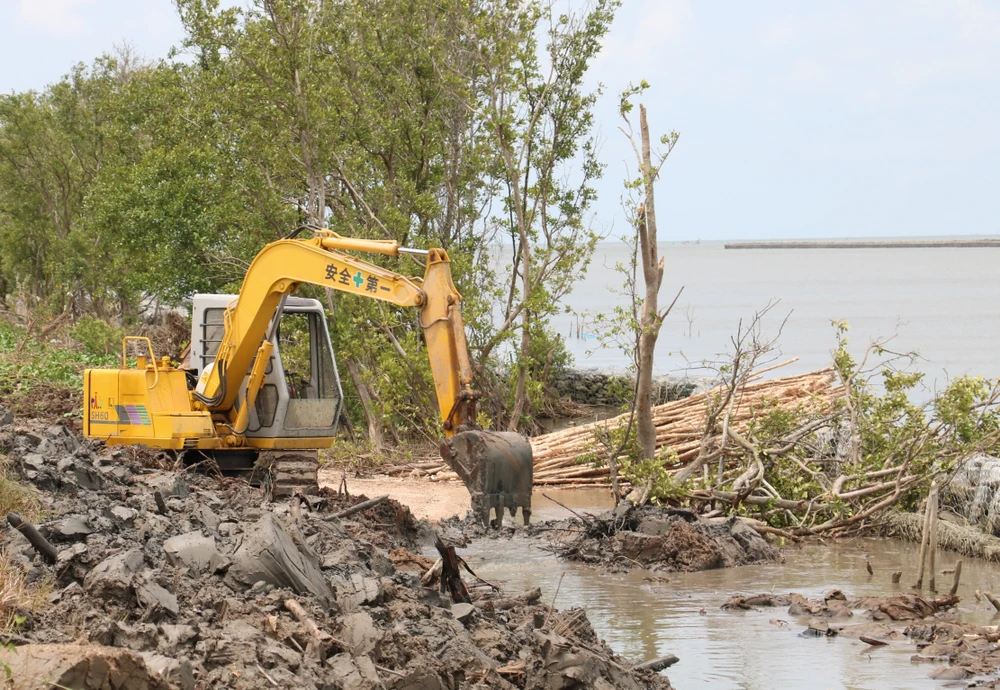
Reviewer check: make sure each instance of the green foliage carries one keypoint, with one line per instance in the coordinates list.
(663, 485)
(883, 428)
(97, 336)
(28, 365)
(130, 182)
(632, 467)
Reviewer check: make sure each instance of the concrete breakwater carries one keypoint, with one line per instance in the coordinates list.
(606, 388)
(868, 244)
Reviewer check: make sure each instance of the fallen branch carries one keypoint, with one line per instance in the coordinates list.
(364, 505)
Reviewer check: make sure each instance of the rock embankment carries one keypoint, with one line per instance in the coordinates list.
(181, 580)
(597, 387)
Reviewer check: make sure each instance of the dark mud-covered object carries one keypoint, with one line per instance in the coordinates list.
(660, 538)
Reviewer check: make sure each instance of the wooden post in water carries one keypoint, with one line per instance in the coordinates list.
(932, 504)
(958, 574)
(924, 538)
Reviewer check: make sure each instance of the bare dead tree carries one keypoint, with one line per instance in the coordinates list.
(650, 317)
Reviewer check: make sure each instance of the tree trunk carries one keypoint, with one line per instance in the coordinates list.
(374, 423)
(650, 319)
(520, 392)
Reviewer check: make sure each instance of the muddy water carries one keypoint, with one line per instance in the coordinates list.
(642, 618)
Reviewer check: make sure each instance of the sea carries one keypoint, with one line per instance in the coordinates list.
(941, 303)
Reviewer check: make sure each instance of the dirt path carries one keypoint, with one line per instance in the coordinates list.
(426, 500)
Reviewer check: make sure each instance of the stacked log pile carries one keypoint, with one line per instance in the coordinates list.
(565, 458)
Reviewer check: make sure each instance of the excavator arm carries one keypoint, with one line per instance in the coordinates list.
(151, 403)
(281, 267)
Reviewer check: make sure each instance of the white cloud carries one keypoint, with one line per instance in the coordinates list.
(57, 17)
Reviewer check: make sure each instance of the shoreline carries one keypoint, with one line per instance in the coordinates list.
(878, 244)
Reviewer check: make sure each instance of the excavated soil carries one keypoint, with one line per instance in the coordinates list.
(174, 579)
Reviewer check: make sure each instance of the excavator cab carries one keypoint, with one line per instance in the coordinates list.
(301, 396)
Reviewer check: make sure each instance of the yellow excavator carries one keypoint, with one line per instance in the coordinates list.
(261, 393)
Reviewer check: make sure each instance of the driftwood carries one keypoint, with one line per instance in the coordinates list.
(451, 576)
(993, 600)
(321, 639)
(529, 597)
(657, 664)
(364, 505)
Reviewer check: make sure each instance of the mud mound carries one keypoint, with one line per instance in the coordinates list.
(46, 401)
(207, 585)
(659, 538)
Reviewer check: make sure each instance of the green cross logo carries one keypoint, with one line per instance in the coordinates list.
(358, 280)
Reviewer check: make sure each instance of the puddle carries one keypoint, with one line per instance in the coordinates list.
(641, 619)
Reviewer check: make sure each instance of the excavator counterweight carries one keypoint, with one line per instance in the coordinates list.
(261, 393)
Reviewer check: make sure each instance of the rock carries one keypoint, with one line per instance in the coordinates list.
(177, 673)
(6, 418)
(67, 529)
(462, 612)
(112, 577)
(354, 673)
(176, 636)
(276, 654)
(81, 667)
(358, 591)
(121, 515)
(192, 550)
(153, 597)
(949, 673)
(168, 485)
(359, 632)
(417, 680)
(269, 553)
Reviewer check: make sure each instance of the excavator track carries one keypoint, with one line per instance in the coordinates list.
(280, 473)
(284, 473)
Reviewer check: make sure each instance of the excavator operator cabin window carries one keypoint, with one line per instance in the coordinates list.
(212, 330)
(310, 376)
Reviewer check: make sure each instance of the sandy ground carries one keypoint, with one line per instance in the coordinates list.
(438, 500)
(426, 499)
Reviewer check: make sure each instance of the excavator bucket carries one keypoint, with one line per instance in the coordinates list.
(496, 468)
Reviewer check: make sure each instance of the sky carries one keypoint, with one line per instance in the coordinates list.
(797, 119)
